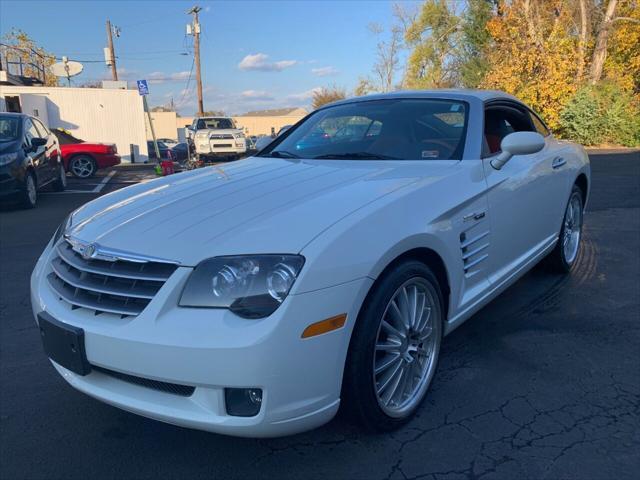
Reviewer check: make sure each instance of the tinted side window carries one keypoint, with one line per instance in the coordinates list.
(44, 131)
(30, 131)
(540, 127)
(500, 121)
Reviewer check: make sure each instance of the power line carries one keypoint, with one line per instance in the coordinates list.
(186, 89)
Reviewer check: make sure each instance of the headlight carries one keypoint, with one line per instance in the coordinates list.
(7, 158)
(238, 135)
(66, 223)
(251, 286)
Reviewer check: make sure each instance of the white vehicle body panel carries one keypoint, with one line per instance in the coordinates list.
(350, 220)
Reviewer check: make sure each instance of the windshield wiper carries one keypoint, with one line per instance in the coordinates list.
(281, 154)
(356, 156)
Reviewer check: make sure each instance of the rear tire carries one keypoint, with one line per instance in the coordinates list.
(60, 183)
(393, 353)
(83, 166)
(565, 253)
(30, 193)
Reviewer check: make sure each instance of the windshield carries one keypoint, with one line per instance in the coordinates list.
(389, 129)
(9, 129)
(215, 123)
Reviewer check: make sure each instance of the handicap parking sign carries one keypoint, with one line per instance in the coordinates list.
(143, 88)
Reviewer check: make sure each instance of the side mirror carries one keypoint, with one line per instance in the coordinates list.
(517, 143)
(37, 142)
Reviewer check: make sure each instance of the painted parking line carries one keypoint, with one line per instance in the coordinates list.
(104, 181)
(65, 192)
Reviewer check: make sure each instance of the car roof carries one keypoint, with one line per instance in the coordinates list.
(14, 114)
(443, 93)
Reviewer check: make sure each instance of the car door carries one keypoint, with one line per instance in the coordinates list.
(52, 149)
(524, 196)
(37, 154)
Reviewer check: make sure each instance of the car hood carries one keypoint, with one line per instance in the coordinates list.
(9, 147)
(257, 205)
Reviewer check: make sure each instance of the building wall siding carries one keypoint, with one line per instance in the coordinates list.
(92, 114)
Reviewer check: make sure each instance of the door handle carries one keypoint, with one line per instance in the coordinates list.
(558, 162)
(474, 216)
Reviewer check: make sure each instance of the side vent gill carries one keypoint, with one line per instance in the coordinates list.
(474, 245)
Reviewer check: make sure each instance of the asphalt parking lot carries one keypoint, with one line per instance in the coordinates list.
(542, 383)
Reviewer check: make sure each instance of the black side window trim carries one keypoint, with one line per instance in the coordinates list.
(548, 132)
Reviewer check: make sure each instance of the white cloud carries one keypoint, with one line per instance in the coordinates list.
(256, 95)
(324, 71)
(260, 62)
(302, 96)
(162, 77)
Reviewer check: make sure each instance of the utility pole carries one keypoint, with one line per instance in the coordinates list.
(195, 29)
(112, 54)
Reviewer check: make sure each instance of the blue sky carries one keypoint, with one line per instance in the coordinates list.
(255, 54)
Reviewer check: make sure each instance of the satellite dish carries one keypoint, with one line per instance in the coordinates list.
(66, 68)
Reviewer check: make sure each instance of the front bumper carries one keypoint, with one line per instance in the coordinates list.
(11, 180)
(211, 349)
(219, 147)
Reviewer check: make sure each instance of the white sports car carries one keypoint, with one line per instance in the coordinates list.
(323, 272)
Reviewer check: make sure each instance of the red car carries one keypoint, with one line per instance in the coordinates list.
(83, 159)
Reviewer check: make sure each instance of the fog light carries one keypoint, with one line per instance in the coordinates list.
(243, 402)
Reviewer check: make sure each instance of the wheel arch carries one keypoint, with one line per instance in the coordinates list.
(583, 183)
(30, 169)
(81, 154)
(431, 259)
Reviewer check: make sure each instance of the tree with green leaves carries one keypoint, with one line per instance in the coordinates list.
(475, 41)
(433, 38)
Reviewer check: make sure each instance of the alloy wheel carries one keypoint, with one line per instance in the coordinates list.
(82, 167)
(406, 349)
(572, 228)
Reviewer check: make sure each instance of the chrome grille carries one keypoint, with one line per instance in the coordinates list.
(220, 136)
(120, 287)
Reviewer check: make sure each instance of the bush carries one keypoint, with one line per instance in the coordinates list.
(602, 114)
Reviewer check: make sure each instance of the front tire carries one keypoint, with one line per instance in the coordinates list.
(83, 166)
(60, 183)
(394, 348)
(565, 253)
(30, 192)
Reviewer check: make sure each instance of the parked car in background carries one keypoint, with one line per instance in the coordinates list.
(217, 138)
(251, 145)
(265, 140)
(165, 151)
(317, 276)
(29, 159)
(262, 141)
(169, 142)
(180, 151)
(84, 159)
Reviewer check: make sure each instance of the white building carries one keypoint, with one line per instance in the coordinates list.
(92, 114)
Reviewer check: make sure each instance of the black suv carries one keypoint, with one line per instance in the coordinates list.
(30, 158)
